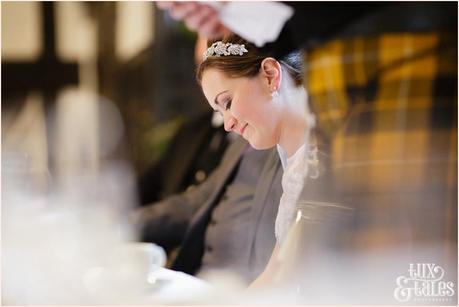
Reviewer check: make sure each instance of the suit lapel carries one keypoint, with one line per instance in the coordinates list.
(234, 156)
(262, 191)
(190, 256)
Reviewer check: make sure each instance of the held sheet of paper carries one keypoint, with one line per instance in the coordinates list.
(258, 22)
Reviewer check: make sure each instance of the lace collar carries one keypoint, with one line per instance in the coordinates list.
(285, 159)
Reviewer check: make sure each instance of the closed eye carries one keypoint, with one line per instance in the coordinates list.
(228, 104)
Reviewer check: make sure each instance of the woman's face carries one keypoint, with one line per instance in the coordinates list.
(247, 106)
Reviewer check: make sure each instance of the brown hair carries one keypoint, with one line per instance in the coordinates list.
(249, 64)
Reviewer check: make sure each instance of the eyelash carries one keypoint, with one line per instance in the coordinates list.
(228, 104)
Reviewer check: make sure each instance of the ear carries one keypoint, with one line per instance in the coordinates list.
(271, 71)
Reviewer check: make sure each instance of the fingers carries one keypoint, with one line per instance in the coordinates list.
(180, 10)
(199, 17)
(196, 20)
(164, 5)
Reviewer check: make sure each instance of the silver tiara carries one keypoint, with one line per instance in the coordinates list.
(219, 48)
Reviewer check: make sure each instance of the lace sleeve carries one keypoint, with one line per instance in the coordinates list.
(292, 185)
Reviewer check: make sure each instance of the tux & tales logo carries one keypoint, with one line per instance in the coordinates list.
(424, 283)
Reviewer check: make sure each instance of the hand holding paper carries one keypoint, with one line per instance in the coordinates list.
(202, 17)
(258, 22)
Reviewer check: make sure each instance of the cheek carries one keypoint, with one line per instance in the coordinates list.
(263, 116)
(266, 122)
(250, 103)
(263, 132)
(242, 110)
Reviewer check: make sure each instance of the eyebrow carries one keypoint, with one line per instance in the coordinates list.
(216, 97)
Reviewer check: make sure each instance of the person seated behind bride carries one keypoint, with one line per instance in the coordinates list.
(262, 99)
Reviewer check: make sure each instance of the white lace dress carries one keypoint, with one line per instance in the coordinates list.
(295, 171)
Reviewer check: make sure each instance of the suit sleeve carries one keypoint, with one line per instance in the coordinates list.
(166, 222)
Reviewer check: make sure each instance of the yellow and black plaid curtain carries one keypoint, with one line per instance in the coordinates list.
(386, 107)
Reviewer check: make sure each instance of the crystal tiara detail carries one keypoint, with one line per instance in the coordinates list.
(219, 48)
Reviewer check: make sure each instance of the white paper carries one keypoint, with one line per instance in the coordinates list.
(257, 22)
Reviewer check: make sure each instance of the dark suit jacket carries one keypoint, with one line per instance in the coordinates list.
(185, 217)
(204, 146)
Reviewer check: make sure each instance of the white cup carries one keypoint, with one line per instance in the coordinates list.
(138, 257)
(126, 273)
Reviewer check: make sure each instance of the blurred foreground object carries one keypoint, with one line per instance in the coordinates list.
(66, 237)
(385, 99)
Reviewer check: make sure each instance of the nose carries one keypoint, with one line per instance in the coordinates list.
(230, 122)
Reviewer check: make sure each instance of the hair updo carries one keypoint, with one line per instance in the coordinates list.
(249, 64)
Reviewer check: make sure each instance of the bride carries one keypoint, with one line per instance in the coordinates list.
(262, 99)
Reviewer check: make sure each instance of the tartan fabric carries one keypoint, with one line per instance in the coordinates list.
(386, 108)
